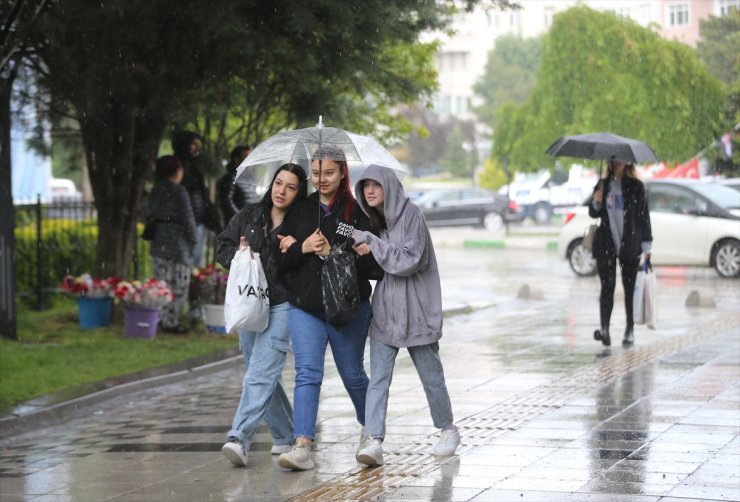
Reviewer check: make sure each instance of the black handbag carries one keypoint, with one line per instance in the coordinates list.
(339, 286)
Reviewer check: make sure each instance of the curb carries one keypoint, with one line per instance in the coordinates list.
(61, 412)
(549, 244)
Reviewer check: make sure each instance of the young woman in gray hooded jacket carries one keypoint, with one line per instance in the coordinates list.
(407, 308)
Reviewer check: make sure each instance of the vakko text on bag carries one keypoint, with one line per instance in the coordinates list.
(247, 305)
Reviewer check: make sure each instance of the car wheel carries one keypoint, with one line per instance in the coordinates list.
(542, 213)
(580, 259)
(726, 258)
(493, 222)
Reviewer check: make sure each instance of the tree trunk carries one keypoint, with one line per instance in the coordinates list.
(8, 324)
(120, 148)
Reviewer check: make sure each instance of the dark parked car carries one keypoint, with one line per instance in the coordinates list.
(467, 206)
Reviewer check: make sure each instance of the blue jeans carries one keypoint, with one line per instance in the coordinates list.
(428, 366)
(197, 255)
(263, 395)
(310, 335)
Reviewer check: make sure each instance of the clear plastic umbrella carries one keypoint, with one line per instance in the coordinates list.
(300, 145)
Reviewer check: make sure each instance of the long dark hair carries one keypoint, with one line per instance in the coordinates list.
(336, 154)
(181, 142)
(377, 219)
(266, 201)
(629, 169)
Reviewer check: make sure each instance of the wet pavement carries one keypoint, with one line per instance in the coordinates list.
(545, 412)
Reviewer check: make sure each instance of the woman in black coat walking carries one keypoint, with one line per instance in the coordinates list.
(624, 234)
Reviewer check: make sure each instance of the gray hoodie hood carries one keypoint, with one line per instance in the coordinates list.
(395, 198)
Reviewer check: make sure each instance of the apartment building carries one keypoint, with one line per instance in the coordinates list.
(462, 57)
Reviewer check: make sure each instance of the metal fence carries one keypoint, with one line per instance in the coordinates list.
(52, 240)
(59, 238)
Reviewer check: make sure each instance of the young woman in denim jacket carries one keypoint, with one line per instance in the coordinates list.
(263, 396)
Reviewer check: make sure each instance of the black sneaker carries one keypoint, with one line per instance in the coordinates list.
(603, 336)
(629, 338)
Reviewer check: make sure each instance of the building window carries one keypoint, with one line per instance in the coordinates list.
(453, 61)
(724, 7)
(458, 105)
(623, 11)
(514, 18)
(492, 16)
(678, 15)
(646, 14)
(441, 104)
(549, 13)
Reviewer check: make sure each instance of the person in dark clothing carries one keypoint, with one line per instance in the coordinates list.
(234, 194)
(186, 146)
(257, 226)
(326, 217)
(174, 235)
(623, 234)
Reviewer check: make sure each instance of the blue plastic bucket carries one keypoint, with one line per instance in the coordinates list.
(94, 312)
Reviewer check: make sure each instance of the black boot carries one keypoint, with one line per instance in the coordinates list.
(629, 337)
(603, 335)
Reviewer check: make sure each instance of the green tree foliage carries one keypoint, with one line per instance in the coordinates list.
(509, 76)
(719, 50)
(130, 71)
(601, 72)
(460, 158)
(493, 175)
(719, 46)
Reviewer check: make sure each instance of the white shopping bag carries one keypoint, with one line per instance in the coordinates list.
(638, 299)
(247, 305)
(651, 313)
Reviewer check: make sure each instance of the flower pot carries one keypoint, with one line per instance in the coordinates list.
(214, 317)
(140, 322)
(94, 312)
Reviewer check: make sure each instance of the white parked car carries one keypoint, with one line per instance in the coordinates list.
(694, 223)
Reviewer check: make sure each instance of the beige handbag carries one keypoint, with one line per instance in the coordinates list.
(588, 237)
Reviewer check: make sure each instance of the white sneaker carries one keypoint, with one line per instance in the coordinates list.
(297, 459)
(372, 453)
(278, 449)
(361, 442)
(448, 442)
(235, 452)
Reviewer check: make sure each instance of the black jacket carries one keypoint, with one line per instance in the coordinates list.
(174, 226)
(251, 223)
(637, 227)
(204, 210)
(233, 196)
(302, 272)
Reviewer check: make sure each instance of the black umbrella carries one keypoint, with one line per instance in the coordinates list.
(602, 146)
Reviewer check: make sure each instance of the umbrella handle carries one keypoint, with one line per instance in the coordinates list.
(320, 160)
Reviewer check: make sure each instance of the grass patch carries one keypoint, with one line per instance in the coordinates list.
(53, 353)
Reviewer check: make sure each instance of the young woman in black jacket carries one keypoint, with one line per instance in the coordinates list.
(624, 233)
(263, 395)
(328, 216)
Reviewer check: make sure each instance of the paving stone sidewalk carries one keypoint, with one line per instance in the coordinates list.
(545, 412)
